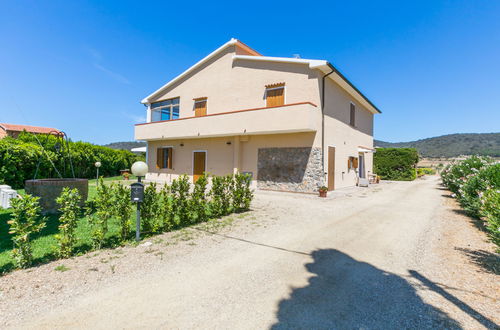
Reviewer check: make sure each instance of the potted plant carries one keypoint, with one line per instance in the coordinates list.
(126, 175)
(322, 191)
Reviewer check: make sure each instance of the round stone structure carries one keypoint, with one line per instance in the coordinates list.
(49, 189)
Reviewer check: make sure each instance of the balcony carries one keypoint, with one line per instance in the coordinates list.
(290, 118)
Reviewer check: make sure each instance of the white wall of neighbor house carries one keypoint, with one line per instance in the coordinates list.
(345, 138)
(234, 85)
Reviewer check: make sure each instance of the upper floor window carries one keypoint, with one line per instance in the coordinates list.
(352, 117)
(200, 106)
(275, 95)
(165, 110)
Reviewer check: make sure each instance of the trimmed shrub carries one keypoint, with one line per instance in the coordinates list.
(180, 200)
(198, 202)
(122, 209)
(24, 222)
(19, 158)
(69, 206)
(220, 201)
(395, 163)
(103, 204)
(242, 195)
(150, 208)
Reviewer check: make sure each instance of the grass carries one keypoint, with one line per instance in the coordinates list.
(45, 242)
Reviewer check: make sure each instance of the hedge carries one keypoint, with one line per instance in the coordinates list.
(395, 163)
(19, 158)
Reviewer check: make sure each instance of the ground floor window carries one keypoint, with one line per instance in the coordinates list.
(164, 157)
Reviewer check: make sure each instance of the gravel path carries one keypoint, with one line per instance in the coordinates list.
(396, 255)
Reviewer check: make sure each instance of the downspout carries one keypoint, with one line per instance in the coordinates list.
(323, 119)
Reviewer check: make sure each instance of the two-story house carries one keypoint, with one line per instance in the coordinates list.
(294, 124)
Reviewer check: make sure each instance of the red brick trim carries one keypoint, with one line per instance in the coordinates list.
(229, 112)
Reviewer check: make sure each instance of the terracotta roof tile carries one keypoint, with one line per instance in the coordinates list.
(31, 129)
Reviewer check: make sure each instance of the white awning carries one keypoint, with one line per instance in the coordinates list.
(139, 149)
(365, 149)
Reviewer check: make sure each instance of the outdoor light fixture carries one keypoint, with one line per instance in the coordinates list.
(228, 142)
(139, 169)
(97, 165)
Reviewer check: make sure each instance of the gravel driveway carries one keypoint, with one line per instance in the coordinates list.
(386, 257)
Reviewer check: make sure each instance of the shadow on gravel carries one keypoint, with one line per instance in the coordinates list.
(347, 294)
(489, 261)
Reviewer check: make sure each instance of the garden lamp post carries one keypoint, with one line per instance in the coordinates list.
(97, 165)
(139, 169)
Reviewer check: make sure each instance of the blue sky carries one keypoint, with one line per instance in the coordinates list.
(432, 67)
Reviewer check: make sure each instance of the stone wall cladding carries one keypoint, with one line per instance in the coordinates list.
(290, 169)
(49, 189)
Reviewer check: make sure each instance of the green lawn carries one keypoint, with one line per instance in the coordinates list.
(45, 243)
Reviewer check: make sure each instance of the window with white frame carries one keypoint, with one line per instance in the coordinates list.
(165, 110)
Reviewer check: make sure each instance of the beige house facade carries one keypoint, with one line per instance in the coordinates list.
(292, 124)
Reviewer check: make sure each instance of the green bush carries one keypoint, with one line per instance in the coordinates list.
(242, 195)
(198, 201)
(490, 210)
(150, 210)
(180, 200)
(69, 207)
(122, 209)
(395, 163)
(421, 171)
(475, 184)
(19, 158)
(103, 203)
(220, 202)
(24, 222)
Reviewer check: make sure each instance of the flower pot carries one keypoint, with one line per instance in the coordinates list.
(322, 193)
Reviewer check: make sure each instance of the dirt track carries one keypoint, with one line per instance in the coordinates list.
(392, 256)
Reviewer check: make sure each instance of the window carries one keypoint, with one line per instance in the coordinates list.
(164, 157)
(200, 107)
(275, 95)
(352, 163)
(352, 119)
(165, 110)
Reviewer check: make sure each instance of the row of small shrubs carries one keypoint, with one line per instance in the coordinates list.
(174, 206)
(19, 158)
(421, 171)
(475, 182)
(395, 163)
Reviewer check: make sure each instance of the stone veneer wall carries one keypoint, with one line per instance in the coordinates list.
(290, 169)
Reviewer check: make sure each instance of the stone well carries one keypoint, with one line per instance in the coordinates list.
(49, 189)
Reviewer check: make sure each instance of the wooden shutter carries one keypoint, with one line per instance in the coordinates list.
(159, 157)
(200, 107)
(355, 162)
(170, 155)
(275, 97)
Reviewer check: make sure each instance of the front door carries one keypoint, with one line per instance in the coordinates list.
(199, 164)
(331, 168)
(361, 166)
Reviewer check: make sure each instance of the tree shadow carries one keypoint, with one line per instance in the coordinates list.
(348, 294)
(489, 261)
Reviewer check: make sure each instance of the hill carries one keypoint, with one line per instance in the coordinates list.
(127, 145)
(452, 145)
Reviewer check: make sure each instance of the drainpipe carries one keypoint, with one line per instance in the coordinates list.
(323, 119)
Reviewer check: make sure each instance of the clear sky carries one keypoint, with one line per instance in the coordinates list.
(432, 67)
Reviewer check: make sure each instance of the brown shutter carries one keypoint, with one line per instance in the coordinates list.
(159, 157)
(275, 97)
(200, 107)
(170, 153)
(355, 162)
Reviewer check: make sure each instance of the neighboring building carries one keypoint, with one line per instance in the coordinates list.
(14, 130)
(293, 124)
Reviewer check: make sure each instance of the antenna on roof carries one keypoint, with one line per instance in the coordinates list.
(296, 55)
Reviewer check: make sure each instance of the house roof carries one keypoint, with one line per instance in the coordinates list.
(27, 128)
(322, 65)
